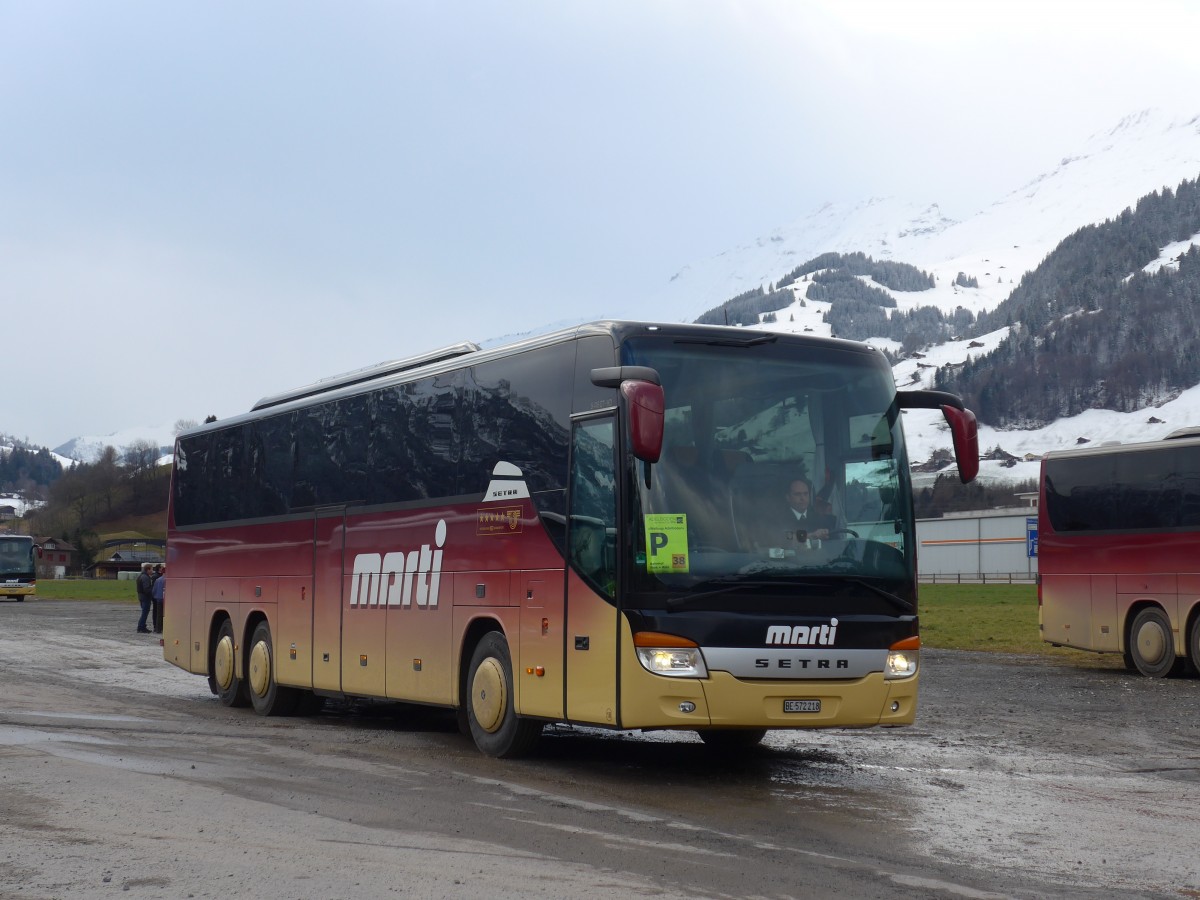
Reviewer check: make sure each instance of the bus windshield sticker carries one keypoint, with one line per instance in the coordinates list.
(666, 543)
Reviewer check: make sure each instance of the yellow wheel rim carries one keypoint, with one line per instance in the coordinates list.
(223, 662)
(260, 668)
(489, 695)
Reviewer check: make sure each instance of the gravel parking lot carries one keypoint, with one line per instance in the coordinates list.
(1023, 777)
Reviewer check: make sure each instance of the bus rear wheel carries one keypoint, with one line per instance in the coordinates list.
(1152, 645)
(266, 696)
(495, 726)
(230, 689)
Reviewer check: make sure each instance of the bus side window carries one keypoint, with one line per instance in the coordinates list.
(593, 505)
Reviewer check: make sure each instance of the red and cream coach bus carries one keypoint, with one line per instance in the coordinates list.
(1119, 552)
(570, 529)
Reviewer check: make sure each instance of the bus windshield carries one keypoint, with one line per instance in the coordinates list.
(783, 476)
(16, 556)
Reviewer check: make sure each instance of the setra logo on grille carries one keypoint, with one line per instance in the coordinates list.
(803, 635)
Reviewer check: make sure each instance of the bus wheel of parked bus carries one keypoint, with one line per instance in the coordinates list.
(1151, 644)
(494, 724)
(267, 697)
(230, 689)
(1194, 645)
(732, 740)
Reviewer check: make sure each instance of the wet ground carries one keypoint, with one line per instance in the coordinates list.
(1022, 778)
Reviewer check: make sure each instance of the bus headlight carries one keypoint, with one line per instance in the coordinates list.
(903, 658)
(668, 654)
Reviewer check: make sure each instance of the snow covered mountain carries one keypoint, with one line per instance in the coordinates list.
(88, 448)
(1143, 153)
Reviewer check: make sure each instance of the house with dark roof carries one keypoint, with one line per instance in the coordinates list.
(58, 558)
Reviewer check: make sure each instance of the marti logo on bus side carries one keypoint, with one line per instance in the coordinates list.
(414, 577)
(399, 578)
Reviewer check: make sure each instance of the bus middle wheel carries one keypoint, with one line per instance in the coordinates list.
(1194, 645)
(230, 689)
(1152, 645)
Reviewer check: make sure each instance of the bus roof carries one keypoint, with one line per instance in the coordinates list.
(369, 373)
(450, 358)
(1182, 437)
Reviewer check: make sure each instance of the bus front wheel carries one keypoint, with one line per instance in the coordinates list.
(1151, 643)
(230, 689)
(495, 727)
(267, 697)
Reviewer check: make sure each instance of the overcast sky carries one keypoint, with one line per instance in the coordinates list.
(202, 203)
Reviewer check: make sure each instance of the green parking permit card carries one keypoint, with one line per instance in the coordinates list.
(666, 543)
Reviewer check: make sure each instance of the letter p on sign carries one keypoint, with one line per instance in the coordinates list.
(667, 543)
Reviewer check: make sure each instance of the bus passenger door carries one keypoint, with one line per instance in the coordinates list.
(591, 611)
(328, 551)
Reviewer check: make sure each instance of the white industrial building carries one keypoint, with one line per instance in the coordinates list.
(980, 545)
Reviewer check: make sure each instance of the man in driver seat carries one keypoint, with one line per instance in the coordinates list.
(797, 520)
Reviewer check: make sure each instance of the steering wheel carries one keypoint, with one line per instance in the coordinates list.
(849, 531)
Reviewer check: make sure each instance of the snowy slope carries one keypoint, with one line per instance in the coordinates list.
(6, 445)
(1143, 153)
(88, 448)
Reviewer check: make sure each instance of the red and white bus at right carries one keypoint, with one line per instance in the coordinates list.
(1119, 552)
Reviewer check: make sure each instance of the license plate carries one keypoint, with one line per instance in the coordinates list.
(801, 705)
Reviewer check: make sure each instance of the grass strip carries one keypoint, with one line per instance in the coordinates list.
(86, 589)
(1001, 618)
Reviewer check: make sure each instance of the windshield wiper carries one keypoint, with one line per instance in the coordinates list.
(730, 585)
(899, 602)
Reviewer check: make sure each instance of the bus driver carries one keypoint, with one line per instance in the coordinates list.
(796, 520)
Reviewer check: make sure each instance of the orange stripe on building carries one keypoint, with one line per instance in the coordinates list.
(1006, 540)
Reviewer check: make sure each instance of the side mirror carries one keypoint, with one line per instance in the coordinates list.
(963, 428)
(37, 548)
(646, 405)
(965, 432)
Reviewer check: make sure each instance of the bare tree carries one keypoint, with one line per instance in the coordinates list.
(140, 458)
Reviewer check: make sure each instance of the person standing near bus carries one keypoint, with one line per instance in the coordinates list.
(157, 592)
(145, 585)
